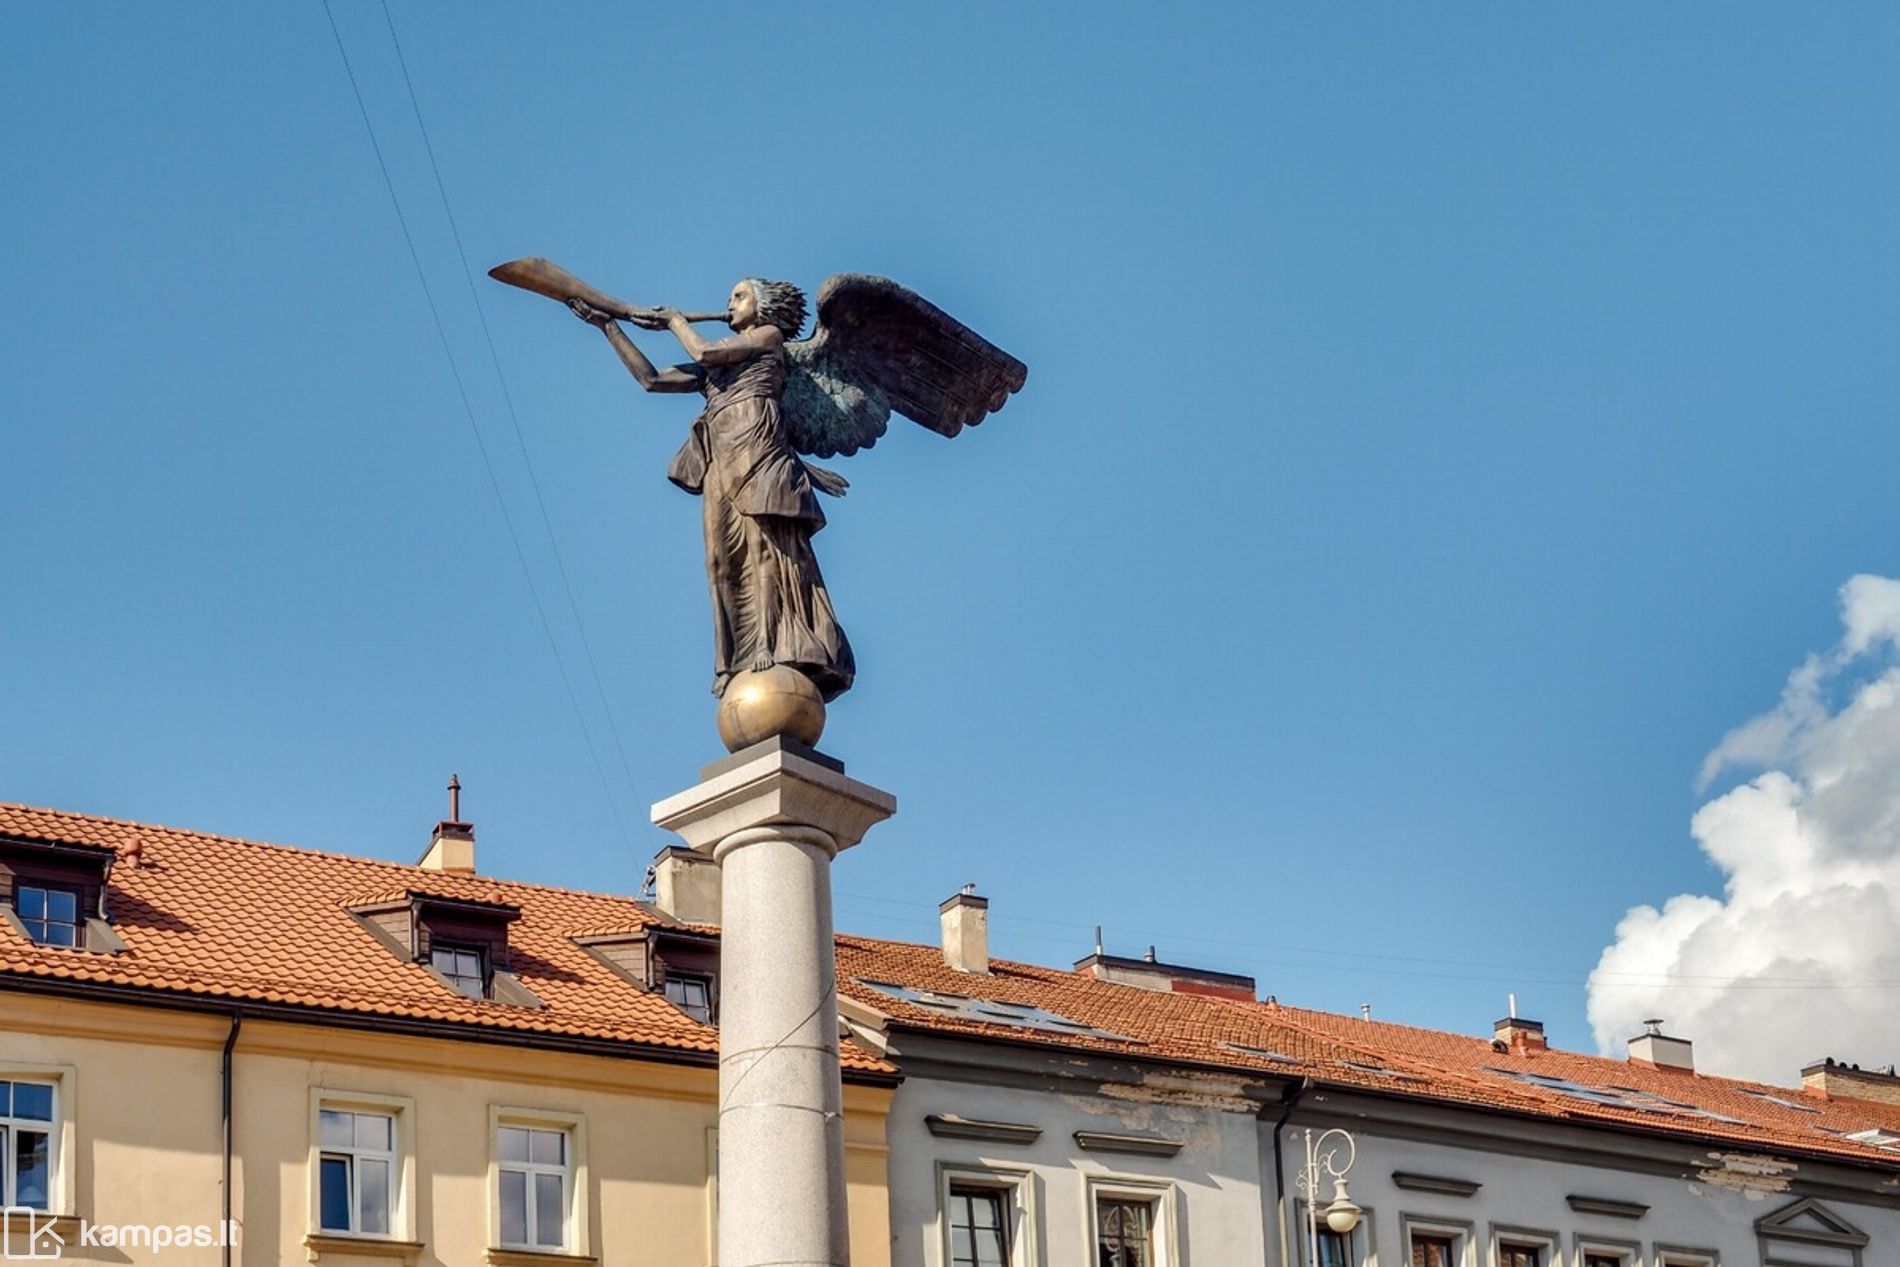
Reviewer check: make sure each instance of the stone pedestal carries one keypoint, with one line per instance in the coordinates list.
(773, 816)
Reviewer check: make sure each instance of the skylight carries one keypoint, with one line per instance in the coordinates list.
(1381, 1071)
(1627, 1098)
(1779, 1101)
(1261, 1053)
(1876, 1137)
(993, 1012)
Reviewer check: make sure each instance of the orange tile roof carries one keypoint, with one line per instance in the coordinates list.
(214, 917)
(1349, 1052)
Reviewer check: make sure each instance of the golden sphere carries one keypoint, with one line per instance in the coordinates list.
(775, 701)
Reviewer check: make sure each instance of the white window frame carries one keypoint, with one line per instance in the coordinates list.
(61, 1140)
(1362, 1248)
(1015, 1184)
(402, 1180)
(1627, 1253)
(1683, 1256)
(1540, 1238)
(578, 1214)
(1463, 1234)
(1161, 1192)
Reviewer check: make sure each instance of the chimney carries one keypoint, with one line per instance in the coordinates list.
(1149, 973)
(966, 930)
(686, 885)
(1520, 1036)
(1838, 1080)
(452, 843)
(1655, 1048)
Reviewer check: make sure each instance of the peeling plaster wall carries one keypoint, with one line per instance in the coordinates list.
(1216, 1175)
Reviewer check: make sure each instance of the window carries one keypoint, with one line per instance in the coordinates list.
(691, 995)
(26, 1145)
(1668, 1256)
(50, 915)
(1600, 1259)
(535, 1176)
(979, 1227)
(1513, 1255)
(465, 967)
(356, 1170)
(1335, 1249)
(1124, 1231)
(986, 1216)
(1431, 1249)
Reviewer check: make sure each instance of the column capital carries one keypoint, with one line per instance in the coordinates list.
(769, 785)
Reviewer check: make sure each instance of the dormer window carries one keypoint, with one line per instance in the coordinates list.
(461, 941)
(50, 914)
(55, 894)
(691, 994)
(679, 964)
(464, 967)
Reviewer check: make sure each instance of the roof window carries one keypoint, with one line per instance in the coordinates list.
(461, 941)
(994, 1012)
(55, 895)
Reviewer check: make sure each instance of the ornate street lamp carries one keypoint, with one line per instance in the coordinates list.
(1322, 1163)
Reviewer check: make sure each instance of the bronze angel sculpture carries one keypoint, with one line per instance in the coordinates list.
(773, 400)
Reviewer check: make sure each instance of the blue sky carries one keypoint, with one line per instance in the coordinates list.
(1443, 426)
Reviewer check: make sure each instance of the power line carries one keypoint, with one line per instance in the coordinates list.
(521, 442)
(468, 410)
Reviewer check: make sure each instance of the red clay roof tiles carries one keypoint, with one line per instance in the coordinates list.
(216, 917)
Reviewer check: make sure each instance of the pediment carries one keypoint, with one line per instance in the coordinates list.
(1810, 1222)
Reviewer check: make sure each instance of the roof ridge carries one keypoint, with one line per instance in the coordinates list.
(406, 868)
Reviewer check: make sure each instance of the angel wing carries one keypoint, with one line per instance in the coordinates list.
(880, 347)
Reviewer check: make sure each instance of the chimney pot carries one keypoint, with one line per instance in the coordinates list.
(965, 919)
(1519, 1035)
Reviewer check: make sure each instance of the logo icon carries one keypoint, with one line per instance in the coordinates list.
(28, 1235)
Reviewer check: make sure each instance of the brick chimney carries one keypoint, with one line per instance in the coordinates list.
(1654, 1048)
(452, 843)
(1520, 1036)
(1840, 1081)
(966, 930)
(686, 885)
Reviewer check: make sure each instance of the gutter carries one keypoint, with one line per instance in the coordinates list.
(230, 1045)
(1291, 1102)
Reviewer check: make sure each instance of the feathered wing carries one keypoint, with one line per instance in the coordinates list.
(880, 347)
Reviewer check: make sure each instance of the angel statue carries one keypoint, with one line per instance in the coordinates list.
(772, 399)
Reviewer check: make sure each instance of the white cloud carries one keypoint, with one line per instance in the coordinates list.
(1800, 957)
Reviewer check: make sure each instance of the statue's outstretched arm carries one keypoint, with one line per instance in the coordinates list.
(742, 346)
(680, 378)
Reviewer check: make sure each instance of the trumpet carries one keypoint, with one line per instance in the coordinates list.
(544, 277)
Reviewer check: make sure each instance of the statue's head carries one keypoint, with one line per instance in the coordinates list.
(778, 304)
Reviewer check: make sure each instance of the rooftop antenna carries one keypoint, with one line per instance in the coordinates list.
(455, 798)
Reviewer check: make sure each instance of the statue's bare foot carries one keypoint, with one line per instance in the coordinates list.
(762, 662)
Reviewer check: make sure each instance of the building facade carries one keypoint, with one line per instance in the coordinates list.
(270, 1055)
(218, 1051)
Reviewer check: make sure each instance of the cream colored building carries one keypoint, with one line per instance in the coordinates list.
(422, 1065)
